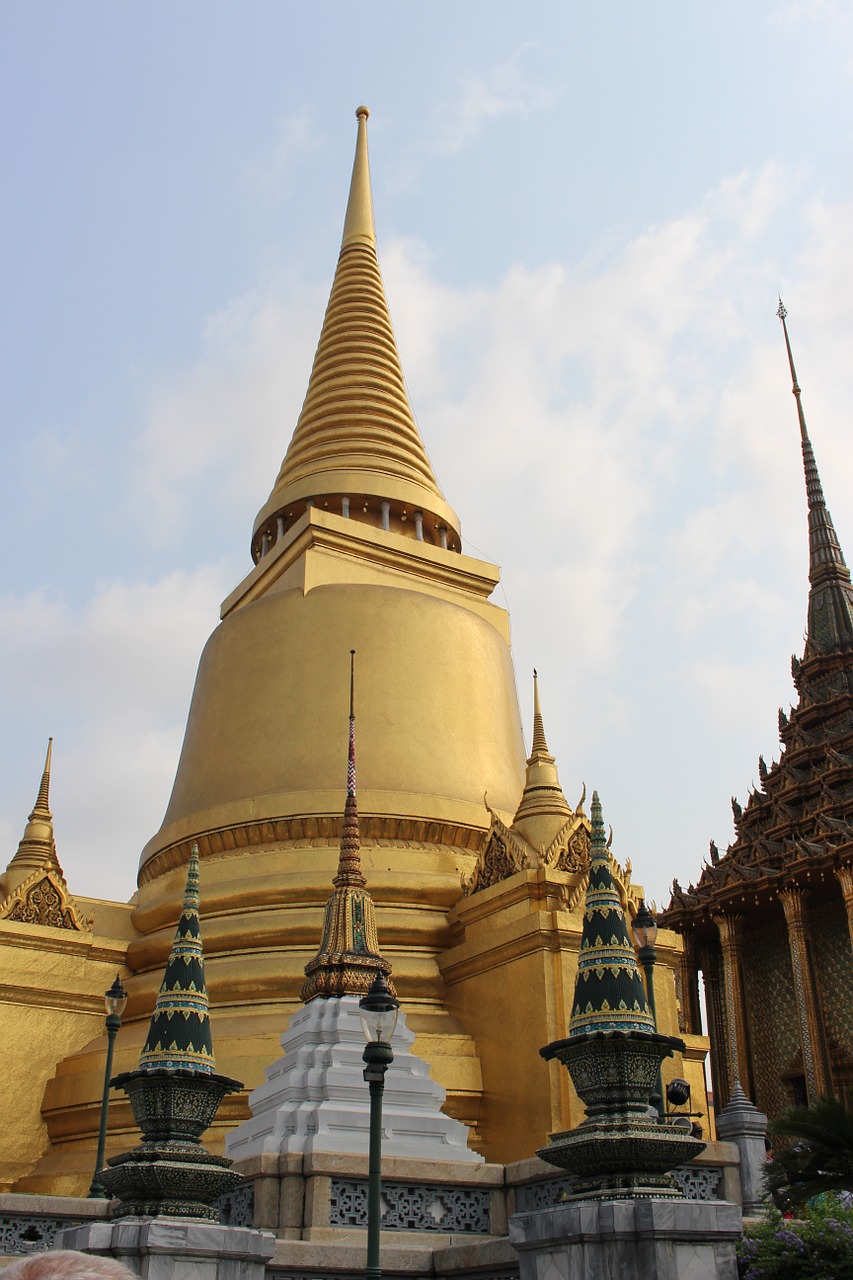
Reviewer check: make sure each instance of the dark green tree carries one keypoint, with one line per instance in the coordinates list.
(816, 1155)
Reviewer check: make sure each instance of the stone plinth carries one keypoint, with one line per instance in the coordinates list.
(172, 1249)
(743, 1124)
(314, 1098)
(628, 1240)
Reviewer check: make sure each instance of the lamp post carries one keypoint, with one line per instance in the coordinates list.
(378, 1012)
(115, 999)
(645, 930)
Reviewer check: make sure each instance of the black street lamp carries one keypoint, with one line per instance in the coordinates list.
(645, 930)
(378, 1012)
(115, 999)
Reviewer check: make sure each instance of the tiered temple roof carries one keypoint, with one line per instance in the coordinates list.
(797, 823)
(770, 920)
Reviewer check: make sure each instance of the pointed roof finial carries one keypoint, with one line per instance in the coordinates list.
(831, 607)
(358, 223)
(543, 810)
(348, 957)
(349, 863)
(37, 847)
(179, 1036)
(609, 990)
(539, 743)
(356, 436)
(42, 804)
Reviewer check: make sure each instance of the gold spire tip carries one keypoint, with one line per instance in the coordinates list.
(362, 112)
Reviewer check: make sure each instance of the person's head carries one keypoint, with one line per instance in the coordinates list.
(66, 1264)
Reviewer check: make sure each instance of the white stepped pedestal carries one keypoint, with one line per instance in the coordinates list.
(314, 1097)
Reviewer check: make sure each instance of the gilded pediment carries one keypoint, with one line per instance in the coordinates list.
(43, 899)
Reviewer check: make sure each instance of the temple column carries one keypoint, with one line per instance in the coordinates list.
(730, 927)
(712, 974)
(811, 1039)
(689, 983)
(844, 876)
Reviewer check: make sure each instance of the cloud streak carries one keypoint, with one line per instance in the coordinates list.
(506, 90)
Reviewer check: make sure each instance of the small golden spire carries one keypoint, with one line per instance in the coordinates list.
(543, 809)
(358, 223)
(540, 746)
(37, 848)
(348, 956)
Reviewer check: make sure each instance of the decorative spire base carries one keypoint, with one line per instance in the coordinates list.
(348, 956)
(175, 1093)
(613, 1055)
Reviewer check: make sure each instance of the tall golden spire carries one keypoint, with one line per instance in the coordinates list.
(830, 625)
(543, 810)
(356, 449)
(348, 957)
(37, 848)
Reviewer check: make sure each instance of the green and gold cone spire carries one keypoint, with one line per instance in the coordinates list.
(348, 958)
(179, 1034)
(609, 991)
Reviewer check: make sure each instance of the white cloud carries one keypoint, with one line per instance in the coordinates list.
(270, 175)
(215, 436)
(110, 680)
(505, 90)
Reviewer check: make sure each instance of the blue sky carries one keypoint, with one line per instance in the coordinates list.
(584, 215)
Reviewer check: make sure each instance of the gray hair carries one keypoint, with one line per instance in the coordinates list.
(66, 1264)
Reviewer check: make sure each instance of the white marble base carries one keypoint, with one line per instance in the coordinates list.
(176, 1248)
(314, 1098)
(629, 1240)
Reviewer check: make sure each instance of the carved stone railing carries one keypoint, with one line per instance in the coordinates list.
(237, 1207)
(29, 1224)
(408, 1206)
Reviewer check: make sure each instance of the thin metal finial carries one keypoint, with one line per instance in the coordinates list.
(783, 310)
(351, 752)
(351, 682)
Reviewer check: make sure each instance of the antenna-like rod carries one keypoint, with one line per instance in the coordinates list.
(351, 756)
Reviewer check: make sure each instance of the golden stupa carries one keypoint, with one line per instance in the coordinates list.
(478, 908)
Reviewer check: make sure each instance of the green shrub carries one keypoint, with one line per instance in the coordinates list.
(817, 1247)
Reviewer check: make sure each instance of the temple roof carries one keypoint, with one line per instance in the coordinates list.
(356, 435)
(799, 820)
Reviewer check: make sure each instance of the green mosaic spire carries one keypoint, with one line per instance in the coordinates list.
(179, 1034)
(609, 991)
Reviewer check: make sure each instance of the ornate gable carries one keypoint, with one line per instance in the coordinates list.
(43, 899)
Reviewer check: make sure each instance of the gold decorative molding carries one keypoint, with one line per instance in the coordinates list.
(316, 830)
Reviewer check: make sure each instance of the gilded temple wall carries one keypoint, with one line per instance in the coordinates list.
(51, 1004)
